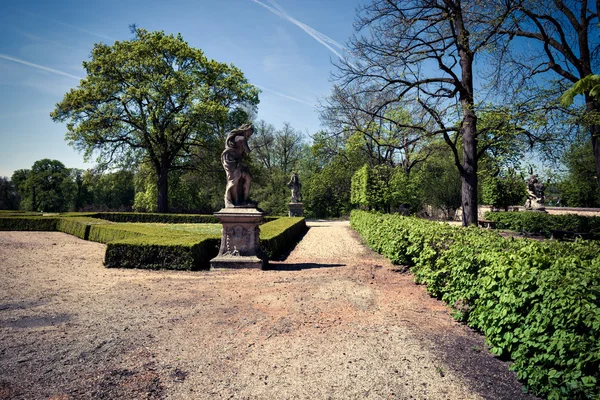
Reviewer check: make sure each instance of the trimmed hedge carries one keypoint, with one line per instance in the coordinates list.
(138, 245)
(542, 223)
(180, 253)
(279, 235)
(538, 303)
(160, 218)
(28, 223)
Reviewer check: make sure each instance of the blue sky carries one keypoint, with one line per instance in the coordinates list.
(284, 47)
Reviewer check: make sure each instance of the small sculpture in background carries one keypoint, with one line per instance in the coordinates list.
(535, 193)
(296, 187)
(237, 190)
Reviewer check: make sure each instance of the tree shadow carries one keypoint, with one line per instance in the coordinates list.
(300, 266)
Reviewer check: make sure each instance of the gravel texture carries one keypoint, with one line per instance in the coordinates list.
(332, 321)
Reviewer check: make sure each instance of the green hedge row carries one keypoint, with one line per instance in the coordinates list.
(154, 217)
(281, 234)
(27, 223)
(542, 223)
(537, 302)
(149, 246)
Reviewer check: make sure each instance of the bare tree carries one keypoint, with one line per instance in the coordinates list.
(394, 135)
(423, 51)
(565, 45)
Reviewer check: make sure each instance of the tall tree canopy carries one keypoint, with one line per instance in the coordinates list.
(47, 186)
(152, 98)
(423, 52)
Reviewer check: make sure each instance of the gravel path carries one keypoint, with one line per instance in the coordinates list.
(332, 321)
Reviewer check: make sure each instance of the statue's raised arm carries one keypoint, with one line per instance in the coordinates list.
(238, 176)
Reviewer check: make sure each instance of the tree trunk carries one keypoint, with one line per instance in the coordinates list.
(469, 169)
(468, 128)
(163, 188)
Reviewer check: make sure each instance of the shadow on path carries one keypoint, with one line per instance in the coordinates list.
(300, 266)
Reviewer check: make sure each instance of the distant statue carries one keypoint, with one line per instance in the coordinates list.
(296, 187)
(535, 193)
(238, 176)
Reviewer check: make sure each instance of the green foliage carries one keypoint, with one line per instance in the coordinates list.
(327, 191)
(441, 183)
(152, 98)
(187, 242)
(281, 234)
(384, 188)
(112, 191)
(579, 187)
(27, 223)
(590, 83)
(9, 197)
(544, 224)
(158, 218)
(536, 302)
(47, 187)
(504, 191)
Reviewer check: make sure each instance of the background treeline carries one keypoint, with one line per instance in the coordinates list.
(337, 175)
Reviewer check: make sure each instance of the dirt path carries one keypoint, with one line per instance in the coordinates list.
(332, 321)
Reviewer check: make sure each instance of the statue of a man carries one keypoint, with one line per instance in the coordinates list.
(296, 187)
(238, 176)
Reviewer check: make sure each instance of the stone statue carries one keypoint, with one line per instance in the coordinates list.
(238, 176)
(296, 187)
(535, 193)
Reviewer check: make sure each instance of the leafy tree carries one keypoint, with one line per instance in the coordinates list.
(578, 188)
(423, 52)
(9, 197)
(504, 190)
(48, 186)
(385, 188)
(153, 99)
(441, 184)
(107, 191)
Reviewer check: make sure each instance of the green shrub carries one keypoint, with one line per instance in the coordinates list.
(156, 245)
(160, 218)
(281, 234)
(28, 223)
(542, 223)
(78, 226)
(181, 253)
(538, 303)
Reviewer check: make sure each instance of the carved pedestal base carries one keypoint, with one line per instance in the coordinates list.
(296, 209)
(240, 243)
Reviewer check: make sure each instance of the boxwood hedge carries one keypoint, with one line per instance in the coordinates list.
(542, 223)
(141, 245)
(537, 302)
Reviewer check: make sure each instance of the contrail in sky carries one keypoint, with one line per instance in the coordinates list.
(318, 36)
(43, 68)
(65, 24)
(283, 95)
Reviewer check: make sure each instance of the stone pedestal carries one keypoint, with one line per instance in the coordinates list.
(240, 242)
(296, 209)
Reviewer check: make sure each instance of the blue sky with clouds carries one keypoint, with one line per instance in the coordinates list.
(284, 46)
